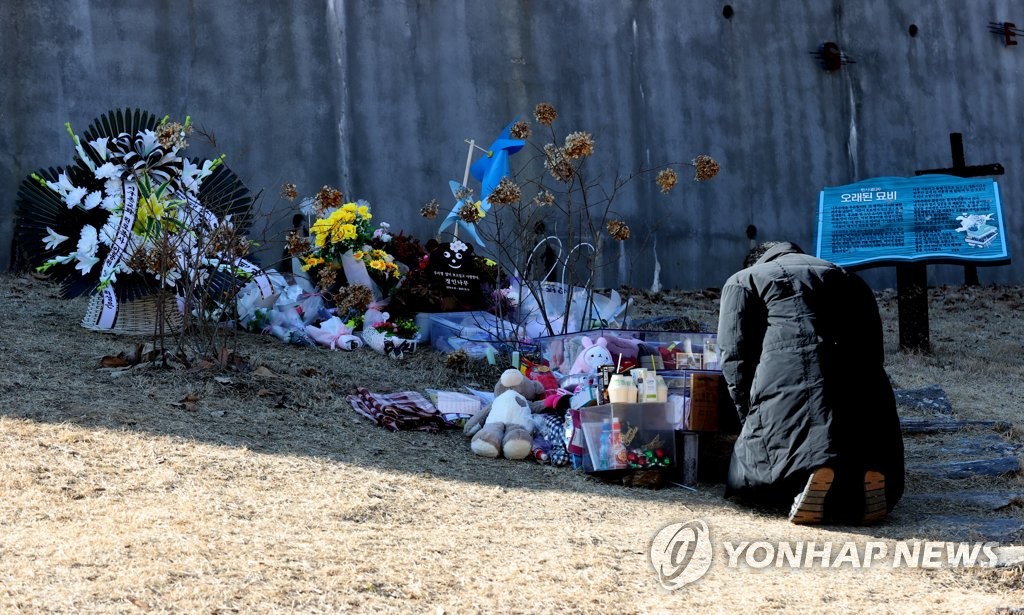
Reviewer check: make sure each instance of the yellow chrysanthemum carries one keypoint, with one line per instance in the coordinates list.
(378, 265)
(343, 232)
(312, 261)
(358, 255)
(321, 229)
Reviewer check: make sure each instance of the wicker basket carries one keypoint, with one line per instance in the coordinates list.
(137, 317)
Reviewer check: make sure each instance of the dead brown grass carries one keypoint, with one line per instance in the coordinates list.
(269, 494)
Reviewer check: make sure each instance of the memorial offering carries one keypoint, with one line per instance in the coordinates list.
(133, 215)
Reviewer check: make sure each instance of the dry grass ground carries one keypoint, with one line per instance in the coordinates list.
(270, 494)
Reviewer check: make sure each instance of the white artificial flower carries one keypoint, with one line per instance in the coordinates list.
(149, 142)
(53, 238)
(114, 185)
(111, 202)
(75, 197)
(107, 170)
(92, 200)
(171, 278)
(192, 176)
(109, 230)
(88, 243)
(100, 145)
(86, 262)
(56, 186)
(382, 232)
(72, 194)
(62, 186)
(85, 158)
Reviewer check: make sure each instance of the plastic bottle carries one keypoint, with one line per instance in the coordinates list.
(604, 452)
(710, 353)
(662, 389)
(618, 451)
(621, 389)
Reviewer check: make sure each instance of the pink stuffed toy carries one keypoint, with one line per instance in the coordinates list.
(594, 355)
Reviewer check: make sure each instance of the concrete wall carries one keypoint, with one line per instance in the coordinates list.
(378, 96)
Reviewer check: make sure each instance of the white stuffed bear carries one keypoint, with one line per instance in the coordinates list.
(508, 429)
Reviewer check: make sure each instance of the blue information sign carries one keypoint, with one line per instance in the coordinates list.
(932, 218)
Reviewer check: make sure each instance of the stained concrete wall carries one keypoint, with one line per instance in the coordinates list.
(377, 97)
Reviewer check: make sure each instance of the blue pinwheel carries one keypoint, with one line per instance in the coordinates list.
(491, 168)
(488, 170)
(463, 198)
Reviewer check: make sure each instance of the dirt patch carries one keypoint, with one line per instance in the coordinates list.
(260, 489)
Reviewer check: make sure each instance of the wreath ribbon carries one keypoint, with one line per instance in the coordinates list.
(197, 213)
(117, 249)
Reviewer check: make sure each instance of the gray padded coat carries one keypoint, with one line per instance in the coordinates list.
(802, 354)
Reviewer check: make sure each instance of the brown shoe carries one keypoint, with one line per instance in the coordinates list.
(875, 507)
(809, 505)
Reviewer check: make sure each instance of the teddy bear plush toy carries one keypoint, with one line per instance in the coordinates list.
(505, 426)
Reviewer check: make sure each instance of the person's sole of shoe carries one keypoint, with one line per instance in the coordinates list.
(809, 505)
(875, 507)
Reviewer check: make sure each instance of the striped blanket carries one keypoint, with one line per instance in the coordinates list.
(406, 411)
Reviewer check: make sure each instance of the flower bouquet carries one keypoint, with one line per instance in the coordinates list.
(344, 240)
(387, 336)
(132, 216)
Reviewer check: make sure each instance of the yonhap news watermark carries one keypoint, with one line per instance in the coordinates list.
(683, 552)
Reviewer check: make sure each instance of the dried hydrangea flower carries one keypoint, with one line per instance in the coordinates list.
(667, 180)
(429, 211)
(544, 198)
(578, 145)
(240, 246)
(505, 193)
(138, 259)
(296, 243)
(327, 198)
(172, 136)
(326, 278)
(457, 360)
(290, 192)
(224, 239)
(618, 230)
(556, 162)
(469, 213)
(463, 193)
(707, 167)
(545, 113)
(161, 258)
(520, 130)
(356, 297)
